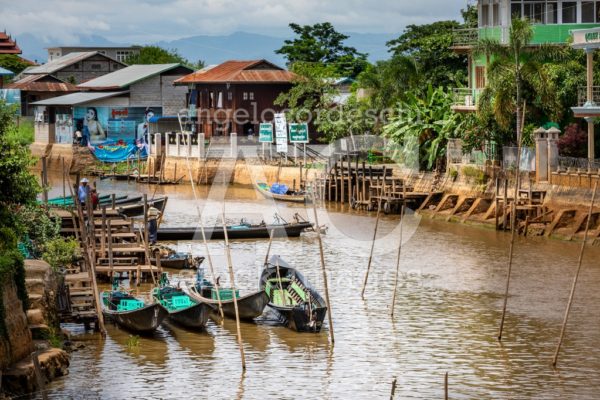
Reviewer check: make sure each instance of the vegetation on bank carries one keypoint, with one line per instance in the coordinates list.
(26, 228)
(408, 97)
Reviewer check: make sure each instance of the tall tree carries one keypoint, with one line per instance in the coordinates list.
(158, 55)
(430, 46)
(321, 43)
(517, 69)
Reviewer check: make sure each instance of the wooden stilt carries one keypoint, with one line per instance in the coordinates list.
(325, 284)
(575, 278)
(232, 281)
(393, 392)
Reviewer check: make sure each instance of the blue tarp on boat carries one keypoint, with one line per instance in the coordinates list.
(116, 152)
(279, 188)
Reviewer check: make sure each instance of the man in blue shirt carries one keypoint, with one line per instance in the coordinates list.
(83, 190)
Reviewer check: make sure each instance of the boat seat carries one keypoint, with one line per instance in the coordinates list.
(277, 297)
(180, 301)
(129, 305)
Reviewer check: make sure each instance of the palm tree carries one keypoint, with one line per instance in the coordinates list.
(513, 68)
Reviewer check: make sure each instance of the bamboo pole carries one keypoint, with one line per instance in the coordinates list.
(232, 279)
(513, 218)
(205, 242)
(362, 293)
(331, 335)
(280, 283)
(398, 260)
(575, 278)
(269, 246)
(446, 386)
(393, 392)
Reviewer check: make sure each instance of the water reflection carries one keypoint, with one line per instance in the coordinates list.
(446, 320)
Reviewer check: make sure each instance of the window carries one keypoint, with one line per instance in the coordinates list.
(251, 95)
(551, 12)
(569, 12)
(515, 10)
(485, 11)
(587, 12)
(122, 55)
(479, 77)
(496, 14)
(245, 96)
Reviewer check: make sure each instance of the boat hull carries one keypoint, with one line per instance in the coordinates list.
(142, 320)
(194, 317)
(298, 318)
(135, 210)
(293, 198)
(216, 233)
(249, 307)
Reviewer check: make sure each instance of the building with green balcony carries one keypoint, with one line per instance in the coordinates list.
(553, 22)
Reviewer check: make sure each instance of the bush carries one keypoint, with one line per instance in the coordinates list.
(61, 252)
(475, 174)
(573, 143)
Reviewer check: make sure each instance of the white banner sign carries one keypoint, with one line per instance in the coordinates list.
(281, 136)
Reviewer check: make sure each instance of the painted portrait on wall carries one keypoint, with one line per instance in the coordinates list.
(101, 125)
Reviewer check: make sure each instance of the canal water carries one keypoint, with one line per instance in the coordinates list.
(446, 315)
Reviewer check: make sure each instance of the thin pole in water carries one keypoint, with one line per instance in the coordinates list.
(446, 386)
(269, 247)
(393, 392)
(210, 263)
(513, 229)
(398, 260)
(331, 335)
(232, 279)
(362, 293)
(579, 262)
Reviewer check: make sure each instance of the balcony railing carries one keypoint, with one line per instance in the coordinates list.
(582, 96)
(465, 37)
(465, 97)
(470, 36)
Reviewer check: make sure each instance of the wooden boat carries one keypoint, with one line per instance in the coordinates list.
(250, 306)
(242, 231)
(298, 305)
(291, 196)
(137, 209)
(179, 261)
(132, 313)
(182, 309)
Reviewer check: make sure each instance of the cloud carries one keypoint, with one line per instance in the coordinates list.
(147, 21)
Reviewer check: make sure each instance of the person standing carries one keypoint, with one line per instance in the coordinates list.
(83, 191)
(153, 215)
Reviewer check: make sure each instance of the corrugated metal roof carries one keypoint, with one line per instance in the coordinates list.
(62, 62)
(252, 71)
(77, 98)
(126, 76)
(4, 71)
(34, 83)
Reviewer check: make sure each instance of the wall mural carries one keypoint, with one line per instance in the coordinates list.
(100, 125)
(13, 97)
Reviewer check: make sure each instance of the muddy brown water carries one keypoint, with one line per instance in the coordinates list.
(446, 316)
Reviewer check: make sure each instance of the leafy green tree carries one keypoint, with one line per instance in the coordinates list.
(516, 73)
(342, 120)
(386, 82)
(13, 62)
(158, 55)
(312, 90)
(321, 43)
(422, 126)
(430, 47)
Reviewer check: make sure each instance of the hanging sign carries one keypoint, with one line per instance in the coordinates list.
(265, 133)
(281, 133)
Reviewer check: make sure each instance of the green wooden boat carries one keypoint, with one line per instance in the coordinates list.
(182, 309)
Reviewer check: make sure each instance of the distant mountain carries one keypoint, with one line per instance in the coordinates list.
(214, 49)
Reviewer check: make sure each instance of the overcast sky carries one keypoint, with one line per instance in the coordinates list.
(146, 21)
